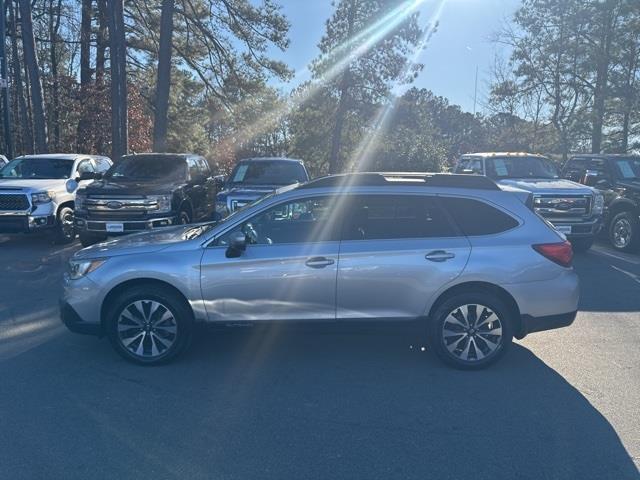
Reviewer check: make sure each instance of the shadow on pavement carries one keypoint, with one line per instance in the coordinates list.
(276, 402)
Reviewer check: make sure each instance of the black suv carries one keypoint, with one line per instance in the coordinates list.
(618, 178)
(145, 191)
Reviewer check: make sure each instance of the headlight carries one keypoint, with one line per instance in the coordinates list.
(598, 204)
(79, 202)
(164, 202)
(80, 268)
(40, 198)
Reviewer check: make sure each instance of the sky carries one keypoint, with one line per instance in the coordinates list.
(461, 43)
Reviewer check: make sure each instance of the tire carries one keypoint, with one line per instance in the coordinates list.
(582, 244)
(624, 232)
(449, 335)
(184, 218)
(149, 325)
(88, 239)
(65, 230)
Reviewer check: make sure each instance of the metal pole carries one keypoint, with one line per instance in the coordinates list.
(4, 82)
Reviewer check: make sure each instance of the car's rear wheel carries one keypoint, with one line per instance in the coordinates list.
(184, 218)
(624, 232)
(471, 330)
(149, 325)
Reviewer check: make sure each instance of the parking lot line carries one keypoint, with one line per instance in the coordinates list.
(603, 251)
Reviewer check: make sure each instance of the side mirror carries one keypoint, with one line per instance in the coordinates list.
(219, 181)
(237, 245)
(87, 176)
(603, 184)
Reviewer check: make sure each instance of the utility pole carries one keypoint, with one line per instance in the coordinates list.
(4, 83)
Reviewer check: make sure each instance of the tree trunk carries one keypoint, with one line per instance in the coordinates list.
(54, 27)
(164, 77)
(85, 43)
(117, 49)
(31, 62)
(25, 126)
(101, 40)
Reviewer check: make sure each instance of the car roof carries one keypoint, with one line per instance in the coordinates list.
(502, 154)
(270, 159)
(63, 156)
(163, 154)
(605, 155)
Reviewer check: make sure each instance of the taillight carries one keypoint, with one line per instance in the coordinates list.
(560, 253)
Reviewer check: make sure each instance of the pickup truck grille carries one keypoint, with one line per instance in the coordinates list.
(119, 207)
(564, 207)
(13, 201)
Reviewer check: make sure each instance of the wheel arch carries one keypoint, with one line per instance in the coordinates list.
(68, 203)
(621, 205)
(476, 287)
(128, 284)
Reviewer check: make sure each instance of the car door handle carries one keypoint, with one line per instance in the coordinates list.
(439, 256)
(319, 262)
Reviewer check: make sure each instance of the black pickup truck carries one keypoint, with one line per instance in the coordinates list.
(145, 191)
(617, 177)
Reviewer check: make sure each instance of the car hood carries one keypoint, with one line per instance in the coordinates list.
(33, 185)
(128, 187)
(547, 185)
(144, 242)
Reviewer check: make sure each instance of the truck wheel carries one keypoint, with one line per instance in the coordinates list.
(88, 239)
(470, 331)
(184, 218)
(65, 228)
(581, 244)
(624, 232)
(149, 324)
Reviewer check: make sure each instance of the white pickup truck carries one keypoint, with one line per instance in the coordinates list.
(574, 209)
(37, 192)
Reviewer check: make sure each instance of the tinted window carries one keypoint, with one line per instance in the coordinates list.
(477, 218)
(38, 167)
(268, 173)
(148, 167)
(388, 217)
(575, 169)
(298, 221)
(628, 167)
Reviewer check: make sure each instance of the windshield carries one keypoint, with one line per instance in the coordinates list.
(38, 168)
(520, 167)
(147, 168)
(628, 167)
(268, 173)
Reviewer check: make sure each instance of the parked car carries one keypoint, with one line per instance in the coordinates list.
(37, 192)
(617, 177)
(472, 264)
(146, 191)
(573, 209)
(253, 178)
(3, 161)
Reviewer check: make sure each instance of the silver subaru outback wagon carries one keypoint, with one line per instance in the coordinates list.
(472, 263)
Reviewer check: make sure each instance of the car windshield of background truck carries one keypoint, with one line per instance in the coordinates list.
(147, 167)
(520, 167)
(38, 168)
(268, 173)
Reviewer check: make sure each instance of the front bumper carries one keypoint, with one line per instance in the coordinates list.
(80, 306)
(23, 223)
(105, 227)
(578, 229)
(539, 324)
(74, 323)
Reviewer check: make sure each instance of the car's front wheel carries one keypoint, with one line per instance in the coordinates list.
(149, 324)
(65, 231)
(624, 232)
(471, 330)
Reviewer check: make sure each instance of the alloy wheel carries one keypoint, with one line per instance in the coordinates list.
(622, 232)
(472, 332)
(147, 329)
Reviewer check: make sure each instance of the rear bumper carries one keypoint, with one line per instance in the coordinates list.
(73, 322)
(539, 324)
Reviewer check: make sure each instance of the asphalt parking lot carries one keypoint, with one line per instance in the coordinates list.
(321, 402)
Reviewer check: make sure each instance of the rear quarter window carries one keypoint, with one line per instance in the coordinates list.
(474, 217)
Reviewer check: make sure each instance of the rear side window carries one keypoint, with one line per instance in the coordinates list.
(470, 165)
(374, 217)
(477, 218)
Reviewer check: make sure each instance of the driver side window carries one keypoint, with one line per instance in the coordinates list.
(299, 221)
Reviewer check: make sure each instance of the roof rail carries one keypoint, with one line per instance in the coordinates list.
(374, 179)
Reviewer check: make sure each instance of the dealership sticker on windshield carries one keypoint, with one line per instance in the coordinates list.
(115, 227)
